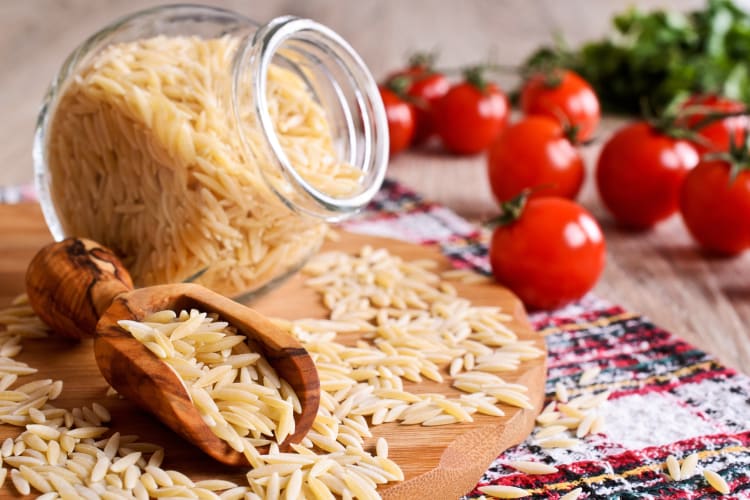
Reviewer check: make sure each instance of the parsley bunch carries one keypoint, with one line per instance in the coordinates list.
(661, 55)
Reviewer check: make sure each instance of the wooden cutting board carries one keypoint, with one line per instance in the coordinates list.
(438, 462)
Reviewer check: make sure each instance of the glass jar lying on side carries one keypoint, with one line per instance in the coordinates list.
(201, 146)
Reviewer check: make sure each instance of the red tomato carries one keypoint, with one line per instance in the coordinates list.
(551, 255)
(534, 152)
(715, 210)
(563, 95)
(717, 135)
(425, 91)
(469, 118)
(401, 119)
(639, 174)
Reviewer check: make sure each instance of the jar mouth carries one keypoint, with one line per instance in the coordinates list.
(338, 78)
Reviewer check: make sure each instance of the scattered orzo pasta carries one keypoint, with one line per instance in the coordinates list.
(566, 418)
(673, 468)
(145, 157)
(501, 491)
(410, 328)
(716, 481)
(528, 467)
(687, 469)
(572, 494)
(415, 328)
(589, 375)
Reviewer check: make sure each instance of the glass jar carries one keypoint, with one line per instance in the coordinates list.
(202, 146)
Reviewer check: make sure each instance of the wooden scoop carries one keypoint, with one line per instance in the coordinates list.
(80, 289)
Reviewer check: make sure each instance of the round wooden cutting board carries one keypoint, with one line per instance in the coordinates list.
(438, 462)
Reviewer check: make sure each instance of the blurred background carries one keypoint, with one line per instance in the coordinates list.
(37, 35)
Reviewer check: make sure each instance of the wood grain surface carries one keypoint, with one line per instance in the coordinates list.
(445, 461)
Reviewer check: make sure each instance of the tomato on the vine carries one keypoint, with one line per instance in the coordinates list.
(639, 174)
(563, 95)
(471, 115)
(719, 134)
(421, 86)
(425, 91)
(715, 206)
(551, 254)
(400, 115)
(534, 153)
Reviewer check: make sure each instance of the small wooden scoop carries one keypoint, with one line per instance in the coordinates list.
(80, 289)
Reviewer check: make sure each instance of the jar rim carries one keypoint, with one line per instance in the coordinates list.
(256, 57)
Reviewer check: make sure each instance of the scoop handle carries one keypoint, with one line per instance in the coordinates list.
(70, 284)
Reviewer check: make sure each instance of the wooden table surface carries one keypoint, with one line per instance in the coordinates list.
(661, 274)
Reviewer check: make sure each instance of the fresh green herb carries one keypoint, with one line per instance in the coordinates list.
(660, 55)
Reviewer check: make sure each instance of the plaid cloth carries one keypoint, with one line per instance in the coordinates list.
(667, 397)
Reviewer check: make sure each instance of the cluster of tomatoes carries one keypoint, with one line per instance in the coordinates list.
(420, 103)
(694, 162)
(546, 248)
